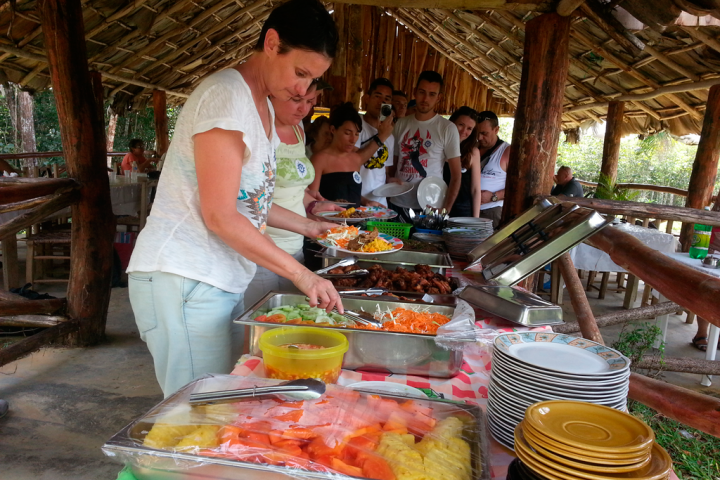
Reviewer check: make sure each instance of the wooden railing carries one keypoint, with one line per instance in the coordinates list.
(17, 156)
(642, 186)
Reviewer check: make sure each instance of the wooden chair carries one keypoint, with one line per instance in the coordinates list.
(42, 247)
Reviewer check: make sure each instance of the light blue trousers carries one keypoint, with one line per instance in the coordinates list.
(187, 326)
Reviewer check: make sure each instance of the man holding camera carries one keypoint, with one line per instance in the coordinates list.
(376, 142)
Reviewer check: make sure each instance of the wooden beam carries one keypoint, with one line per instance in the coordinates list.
(691, 289)
(623, 316)
(642, 186)
(12, 190)
(611, 145)
(37, 341)
(38, 213)
(537, 118)
(83, 139)
(650, 210)
(513, 5)
(110, 76)
(658, 92)
(699, 35)
(43, 321)
(31, 307)
(162, 140)
(567, 7)
(10, 269)
(698, 366)
(612, 27)
(578, 298)
(705, 167)
(690, 408)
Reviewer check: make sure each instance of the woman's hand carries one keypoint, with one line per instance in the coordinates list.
(315, 229)
(320, 292)
(326, 207)
(315, 195)
(370, 203)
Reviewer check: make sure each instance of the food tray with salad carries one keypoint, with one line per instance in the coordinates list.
(350, 239)
(370, 348)
(344, 433)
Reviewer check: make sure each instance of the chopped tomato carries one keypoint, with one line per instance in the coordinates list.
(346, 469)
(295, 321)
(293, 416)
(277, 318)
(261, 318)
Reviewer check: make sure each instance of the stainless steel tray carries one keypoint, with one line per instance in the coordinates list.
(152, 464)
(507, 230)
(372, 350)
(513, 304)
(537, 243)
(438, 262)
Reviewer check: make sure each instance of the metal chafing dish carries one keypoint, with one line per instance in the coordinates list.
(543, 238)
(152, 464)
(373, 350)
(513, 304)
(438, 262)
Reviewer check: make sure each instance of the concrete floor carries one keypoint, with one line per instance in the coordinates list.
(65, 403)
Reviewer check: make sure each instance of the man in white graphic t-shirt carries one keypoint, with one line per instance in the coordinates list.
(374, 169)
(424, 141)
(494, 156)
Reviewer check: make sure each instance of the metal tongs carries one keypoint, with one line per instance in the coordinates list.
(361, 272)
(363, 318)
(364, 291)
(303, 389)
(342, 263)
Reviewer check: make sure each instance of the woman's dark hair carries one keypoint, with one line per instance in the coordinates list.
(302, 24)
(345, 113)
(470, 143)
(315, 127)
(136, 142)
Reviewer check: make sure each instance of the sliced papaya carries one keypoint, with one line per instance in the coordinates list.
(292, 416)
(376, 467)
(346, 469)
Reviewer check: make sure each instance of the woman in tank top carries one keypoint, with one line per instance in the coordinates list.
(337, 168)
(467, 203)
(294, 173)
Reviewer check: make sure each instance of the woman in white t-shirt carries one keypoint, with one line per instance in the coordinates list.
(197, 254)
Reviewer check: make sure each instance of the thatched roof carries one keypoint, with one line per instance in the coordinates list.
(144, 44)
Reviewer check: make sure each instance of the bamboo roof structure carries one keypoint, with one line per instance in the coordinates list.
(658, 56)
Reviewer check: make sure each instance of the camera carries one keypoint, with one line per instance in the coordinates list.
(385, 111)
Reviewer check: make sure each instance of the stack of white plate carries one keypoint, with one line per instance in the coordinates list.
(533, 367)
(461, 241)
(484, 224)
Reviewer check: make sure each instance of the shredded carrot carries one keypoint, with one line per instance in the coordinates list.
(408, 321)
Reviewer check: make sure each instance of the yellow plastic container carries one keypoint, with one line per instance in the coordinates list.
(290, 364)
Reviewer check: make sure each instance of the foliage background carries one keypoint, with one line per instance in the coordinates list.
(658, 160)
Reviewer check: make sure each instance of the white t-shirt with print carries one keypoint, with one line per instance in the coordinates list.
(175, 239)
(373, 171)
(431, 143)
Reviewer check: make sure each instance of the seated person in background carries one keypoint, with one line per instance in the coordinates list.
(137, 154)
(337, 167)
(494, 157)
(318, 136)
(468, 201)
(410, 108)
(566, 184)
(399, 103)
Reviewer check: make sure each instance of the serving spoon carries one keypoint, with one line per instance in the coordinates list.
(302, 389)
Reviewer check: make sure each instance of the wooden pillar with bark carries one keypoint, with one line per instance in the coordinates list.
(611, 146)
(83, 140)
(705, 167)
(354, 55)
(162, 139)
(539, 109)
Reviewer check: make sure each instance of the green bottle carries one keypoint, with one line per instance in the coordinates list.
(700, 240)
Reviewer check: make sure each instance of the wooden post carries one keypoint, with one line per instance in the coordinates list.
(83, 140)
(354, 55)
(583, 312)
(10, 271)
(705, 168)
(611, 146)
(539, 111)
(162, 140)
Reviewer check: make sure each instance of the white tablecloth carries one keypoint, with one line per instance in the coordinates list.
(590, 258)
(694, 263)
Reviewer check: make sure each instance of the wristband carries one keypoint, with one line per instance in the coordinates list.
(309, 208)
(377, 140)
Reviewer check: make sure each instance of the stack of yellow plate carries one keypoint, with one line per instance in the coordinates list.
(567, 440)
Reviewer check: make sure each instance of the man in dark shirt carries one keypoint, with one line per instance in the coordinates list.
(566, 184)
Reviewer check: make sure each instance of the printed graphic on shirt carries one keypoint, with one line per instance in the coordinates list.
(356, 177)
(259, 201)
(378, 160)
(414, 151)
(301, 168)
